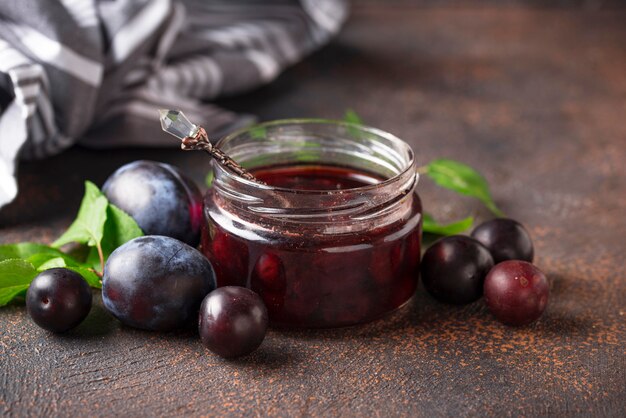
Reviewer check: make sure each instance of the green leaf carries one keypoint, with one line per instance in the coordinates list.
(462, 179)
(38, 255)
(40, 260)
(352, 117)
(15, 277)
(41, 257)
(88, 227)
(430, 225)
(89, 275)
(119, 228)
(305, 156)
(46, 261)
(52, 263)
(24, 250)
(98, 223)
(258, 132)
(208, 180)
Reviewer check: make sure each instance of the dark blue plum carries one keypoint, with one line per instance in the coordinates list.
(58, 299)
(453, 269)
(232, 321)
(156, 283)
(516, 292)
(506, 239)
(161, 199)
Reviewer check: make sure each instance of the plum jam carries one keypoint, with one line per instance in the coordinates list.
(333, 236)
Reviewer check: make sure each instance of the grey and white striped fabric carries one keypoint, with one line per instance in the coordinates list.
(94, 71)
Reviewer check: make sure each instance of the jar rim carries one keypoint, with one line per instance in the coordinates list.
(409, 165)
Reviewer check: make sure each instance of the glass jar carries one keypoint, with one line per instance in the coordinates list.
(318, 257)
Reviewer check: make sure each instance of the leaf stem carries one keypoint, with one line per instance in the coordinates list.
(96, 272)
(101, 255)
(422, 170)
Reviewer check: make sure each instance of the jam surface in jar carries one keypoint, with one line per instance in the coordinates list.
(318, 280)
(315, 177)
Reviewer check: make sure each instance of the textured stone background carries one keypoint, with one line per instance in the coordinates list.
(534, 98)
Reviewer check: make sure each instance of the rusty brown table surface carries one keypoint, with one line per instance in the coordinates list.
(534, 98)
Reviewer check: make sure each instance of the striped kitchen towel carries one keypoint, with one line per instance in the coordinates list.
(94, 71)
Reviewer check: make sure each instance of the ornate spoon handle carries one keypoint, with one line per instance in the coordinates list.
(194, 137)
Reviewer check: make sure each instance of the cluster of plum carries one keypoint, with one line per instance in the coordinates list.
(495, 262)
(159, 281)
